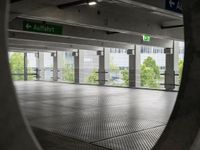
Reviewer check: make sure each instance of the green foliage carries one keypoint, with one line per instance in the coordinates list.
(150, 73)
(180, 69)
(17, 65)
(31, 71)
(125, 76)
(93, 77)
(68, 74)
(114, 68)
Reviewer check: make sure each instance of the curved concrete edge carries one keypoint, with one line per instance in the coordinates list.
(183, 126)
(196, 144)
(14, 132)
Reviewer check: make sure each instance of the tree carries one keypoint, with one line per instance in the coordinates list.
(17, 65)
(125, 76)
(68, 74)
(93, 77)
(150, 73)
(180, 69)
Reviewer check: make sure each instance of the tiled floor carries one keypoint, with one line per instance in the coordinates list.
(68, 116)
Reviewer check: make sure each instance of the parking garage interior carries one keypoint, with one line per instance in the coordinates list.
(99, 74)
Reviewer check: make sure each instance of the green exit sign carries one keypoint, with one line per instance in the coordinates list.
(146, 38)
(42, 27)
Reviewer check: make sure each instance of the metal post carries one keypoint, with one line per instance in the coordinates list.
(76, 66)
(101, 72)
(169, 72)
(25, 67)
(132, 68)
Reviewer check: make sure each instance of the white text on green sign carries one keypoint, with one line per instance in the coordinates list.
(42, 27)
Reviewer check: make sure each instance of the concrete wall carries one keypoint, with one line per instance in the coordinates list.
(15, 132)
(182, 129)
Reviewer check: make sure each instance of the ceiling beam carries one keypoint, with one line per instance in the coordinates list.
(154, 5)
(75, 3)
(89, 18)
(172, 26)
(16, 26)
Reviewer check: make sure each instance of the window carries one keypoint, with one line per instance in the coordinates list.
(118, 72)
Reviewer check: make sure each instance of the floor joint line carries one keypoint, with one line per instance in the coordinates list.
(126, 134)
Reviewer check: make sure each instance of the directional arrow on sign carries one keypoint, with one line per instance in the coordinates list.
(174, 5)
(171, 3)
(28, 26)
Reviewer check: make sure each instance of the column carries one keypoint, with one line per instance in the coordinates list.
(101, 72)
(25, 67)
(107, 63)
(60, 64)
(55, 66)
(132, 67)
(169, 72)
(37, 66)
(41, 65)
(137, 65)
(76, 66)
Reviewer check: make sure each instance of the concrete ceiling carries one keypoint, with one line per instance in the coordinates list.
(112, 6)
(127, 17)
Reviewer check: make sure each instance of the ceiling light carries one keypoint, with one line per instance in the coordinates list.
(92, 3)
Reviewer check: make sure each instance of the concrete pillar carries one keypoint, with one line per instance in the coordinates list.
(132, 67)
(25, 67)
(37, 66)
(183, 128)
(55, 66)
(76, 67)
(41, 65)
(107, 64)
(137, 66)
(169, 72)
(101, 72)
(81, 66)
(15, 131)
(60, 64)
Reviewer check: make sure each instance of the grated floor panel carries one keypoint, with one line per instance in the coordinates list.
(52, 141)
(144, 140)
(113, 118)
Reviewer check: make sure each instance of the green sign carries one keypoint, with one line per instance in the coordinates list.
(42, 27)
(146, 38)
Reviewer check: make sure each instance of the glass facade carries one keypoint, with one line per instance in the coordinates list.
(48, 66)
(89, 66)
(181, 50)
(152, 70)
(118, 67)
(16, 60)
(65, 66)
(32, 65)
(60, 66)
